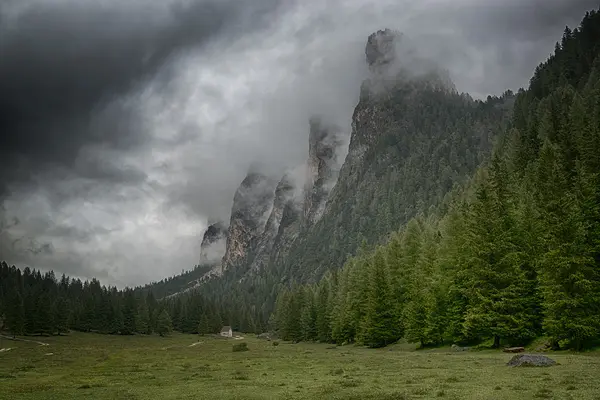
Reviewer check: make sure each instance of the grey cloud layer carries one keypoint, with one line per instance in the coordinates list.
(64, 62)
(130, 124)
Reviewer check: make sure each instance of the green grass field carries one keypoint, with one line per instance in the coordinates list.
(90, 366)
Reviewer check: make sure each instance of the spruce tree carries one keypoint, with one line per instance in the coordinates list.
(129, 311)
(15, 314)
(414, 314)
(45, 322)
(163, 323)
(203, 325)
(62, 315)
(323, 317)
(570, 278)
(380, 325)
(294, 314)
(142, 322)
(350, 300)
(308, 316)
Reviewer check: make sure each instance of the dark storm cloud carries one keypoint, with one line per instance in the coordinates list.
(63, 63)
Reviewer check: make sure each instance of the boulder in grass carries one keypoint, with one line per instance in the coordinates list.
(459, 348)
(531, 360)
(514, 349)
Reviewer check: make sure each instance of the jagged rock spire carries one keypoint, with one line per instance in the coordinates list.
(381, 47)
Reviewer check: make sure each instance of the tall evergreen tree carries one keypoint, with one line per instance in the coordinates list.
(45, 322)
(15, 314)
(204, 325)
(142, 321)
(62, 314)
(129, 311)
(308, 316)
(164, 325)
(380, 326)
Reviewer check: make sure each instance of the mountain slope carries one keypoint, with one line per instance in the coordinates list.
(413, 138)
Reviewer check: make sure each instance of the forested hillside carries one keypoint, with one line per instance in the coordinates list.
(516, 255)
(426, 139)
(175, 284)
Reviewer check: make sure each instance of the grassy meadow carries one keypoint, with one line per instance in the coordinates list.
(89, 366)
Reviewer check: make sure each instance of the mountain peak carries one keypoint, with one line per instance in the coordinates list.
(381, 47)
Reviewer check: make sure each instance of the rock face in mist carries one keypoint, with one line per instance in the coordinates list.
(297, 207)
(252, 206)
(322, 167)
(267, 217)
(213, 244)
(284, 195)
(381, 47)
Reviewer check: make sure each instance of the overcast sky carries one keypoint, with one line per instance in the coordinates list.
(126, 125)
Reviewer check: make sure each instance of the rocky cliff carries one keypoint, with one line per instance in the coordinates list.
(213, 244)
(252, 205)
(322, 167)
(284, 196)
(267, 218)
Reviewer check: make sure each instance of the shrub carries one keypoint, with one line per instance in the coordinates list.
(240, 376)
(241, 347)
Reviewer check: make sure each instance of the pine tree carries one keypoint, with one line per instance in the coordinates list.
(45, 323)
(142, 322)
(163, 323)
(129, 311)
(280, 316)
(15, 314)
(323, 317)
(308, 316)
(62, 315)
(501, 296)
(349, 301)
(294, 314)
(570, 278)
(115, 325)
(152, 306)
(380, 326)
(176, 313)
(437, 312)
(203, 325)
(31, 312)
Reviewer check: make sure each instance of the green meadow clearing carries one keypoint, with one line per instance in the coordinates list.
(89, 366)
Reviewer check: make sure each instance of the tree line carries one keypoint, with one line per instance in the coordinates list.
(515, 256)
(32, 303)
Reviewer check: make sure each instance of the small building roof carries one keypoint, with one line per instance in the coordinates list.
(225, 329)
